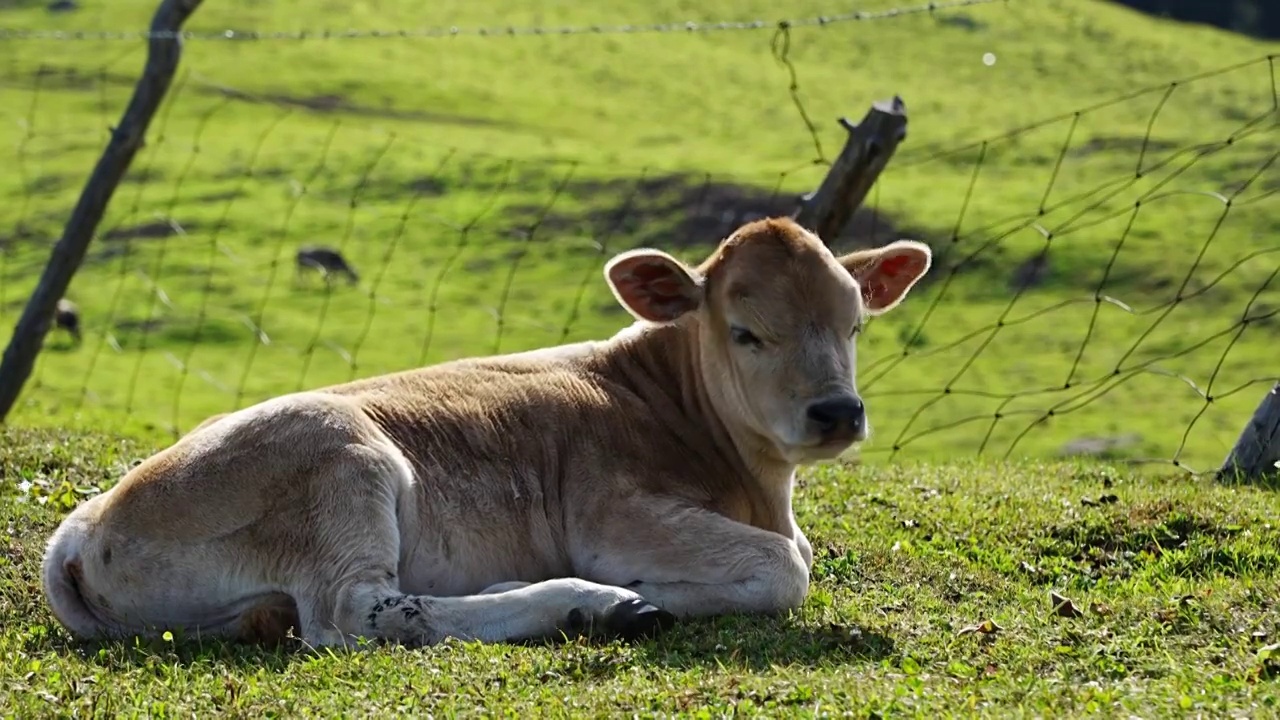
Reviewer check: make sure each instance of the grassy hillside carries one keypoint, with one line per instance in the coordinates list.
(1173, 586)
(479, 182)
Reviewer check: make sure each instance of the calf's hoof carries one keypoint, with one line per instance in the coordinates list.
(630, 619)
(637, 619)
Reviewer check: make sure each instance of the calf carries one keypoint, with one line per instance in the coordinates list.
(609, 486)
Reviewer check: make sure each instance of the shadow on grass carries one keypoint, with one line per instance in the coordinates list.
(754, 643)
(186, 653)
(758, 643)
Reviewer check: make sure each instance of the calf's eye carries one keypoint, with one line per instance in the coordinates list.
(743, 336)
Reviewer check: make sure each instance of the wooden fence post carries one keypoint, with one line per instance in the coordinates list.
(870, 145)
(163, 53)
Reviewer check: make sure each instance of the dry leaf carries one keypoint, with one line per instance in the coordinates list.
(1063, 607)
(986, 627)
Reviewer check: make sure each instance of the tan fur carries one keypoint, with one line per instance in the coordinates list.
(514, 496)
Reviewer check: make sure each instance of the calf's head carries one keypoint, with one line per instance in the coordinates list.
(775, 316)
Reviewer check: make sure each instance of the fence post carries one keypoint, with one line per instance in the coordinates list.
(870, 145)
(163, 53)
(1258, 450)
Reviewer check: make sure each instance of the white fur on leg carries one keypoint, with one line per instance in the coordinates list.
(503, 587)
(537, 611)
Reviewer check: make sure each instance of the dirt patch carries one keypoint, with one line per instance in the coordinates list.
(684, 211)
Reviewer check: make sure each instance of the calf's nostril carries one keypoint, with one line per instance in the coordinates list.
(820, 415)
(829, 415)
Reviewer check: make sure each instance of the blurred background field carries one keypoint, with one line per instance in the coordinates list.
(1099, 185)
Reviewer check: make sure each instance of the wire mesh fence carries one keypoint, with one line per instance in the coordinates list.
(1104, 283)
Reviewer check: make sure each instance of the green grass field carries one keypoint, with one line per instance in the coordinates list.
(1175, 582)
(479, 183)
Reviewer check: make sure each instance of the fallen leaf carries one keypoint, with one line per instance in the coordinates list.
(844, 635)
(1063, 607)
(986, 627)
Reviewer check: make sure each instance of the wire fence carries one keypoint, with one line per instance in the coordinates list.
(685, 26)
(1105, 281)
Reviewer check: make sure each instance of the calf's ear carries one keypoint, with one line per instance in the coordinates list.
(886, 274)
(652, 285)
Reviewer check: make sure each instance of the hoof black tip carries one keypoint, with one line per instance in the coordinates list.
(637, 619)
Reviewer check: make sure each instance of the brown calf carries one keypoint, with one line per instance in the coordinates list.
(613, 485)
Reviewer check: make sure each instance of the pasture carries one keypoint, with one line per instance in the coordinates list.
(1173, 583)
(1099, 187)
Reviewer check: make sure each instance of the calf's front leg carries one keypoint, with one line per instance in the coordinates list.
(693, 562)
(802, 542)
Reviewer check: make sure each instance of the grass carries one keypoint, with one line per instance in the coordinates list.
(479, 183)
(930, 598)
